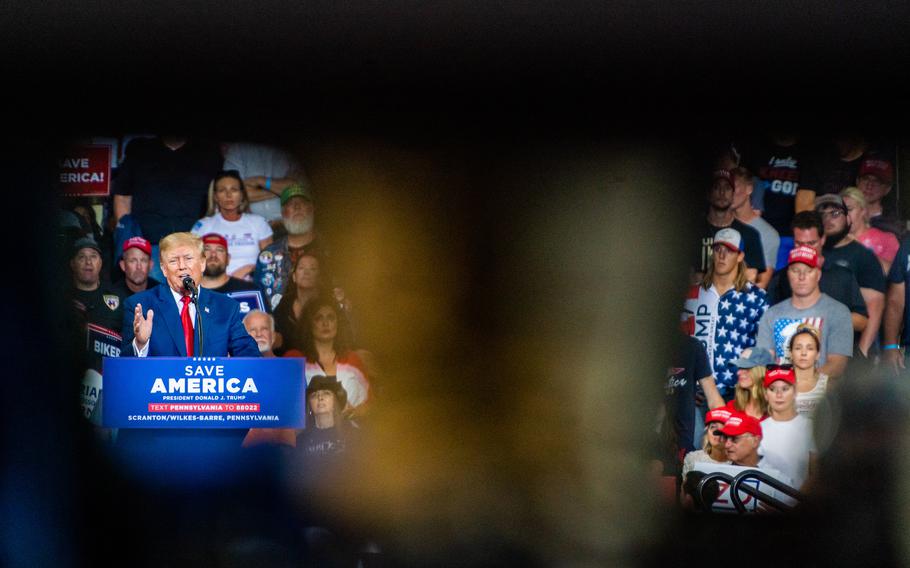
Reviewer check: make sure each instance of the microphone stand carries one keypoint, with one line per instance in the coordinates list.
(195, 300)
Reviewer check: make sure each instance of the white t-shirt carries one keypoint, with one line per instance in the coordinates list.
(351, 378)
(786, 446)
(261, 160)
(807, 402)
(243, 236)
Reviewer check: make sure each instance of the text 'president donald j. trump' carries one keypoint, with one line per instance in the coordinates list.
(162, 322)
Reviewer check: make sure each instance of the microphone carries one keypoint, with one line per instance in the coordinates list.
(189, 285)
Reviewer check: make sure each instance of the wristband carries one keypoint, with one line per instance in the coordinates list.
(268, 183)
(891, 346)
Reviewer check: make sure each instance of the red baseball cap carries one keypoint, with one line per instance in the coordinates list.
(138, 243)
(805, 255)
(740, 423)
(881, 169)
(214, 239)
(786, 374)
(717, 415)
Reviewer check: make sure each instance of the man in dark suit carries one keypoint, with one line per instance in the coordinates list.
(163, 321)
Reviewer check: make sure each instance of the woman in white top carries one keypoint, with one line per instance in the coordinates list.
(787, 443)
(712, 445)
(228, 215)
(810, 384)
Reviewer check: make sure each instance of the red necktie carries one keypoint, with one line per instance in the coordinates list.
(187, 325)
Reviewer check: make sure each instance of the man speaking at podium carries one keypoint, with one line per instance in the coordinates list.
(166, 322)
(163, 321)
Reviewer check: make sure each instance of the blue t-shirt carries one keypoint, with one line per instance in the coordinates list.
(898, 275)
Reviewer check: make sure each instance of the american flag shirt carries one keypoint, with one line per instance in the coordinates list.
(725, 325)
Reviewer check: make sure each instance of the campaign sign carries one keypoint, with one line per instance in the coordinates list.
(85, 171)
(203, 392)
(248, 300)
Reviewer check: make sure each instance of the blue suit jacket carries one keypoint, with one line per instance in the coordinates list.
(222, 325)
(185, 455)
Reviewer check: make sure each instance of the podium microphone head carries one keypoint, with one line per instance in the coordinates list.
(188, 284)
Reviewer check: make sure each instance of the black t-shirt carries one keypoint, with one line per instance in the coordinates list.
(781, 172)
(690, 364)
(101, 313)
(860, 261)
(168, 187)
(836, 281)
(235, 285)
(751, 245)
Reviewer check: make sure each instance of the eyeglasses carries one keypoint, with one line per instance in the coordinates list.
(832, 213)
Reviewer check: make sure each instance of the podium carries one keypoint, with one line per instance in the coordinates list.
(204, 392)
(181, 420)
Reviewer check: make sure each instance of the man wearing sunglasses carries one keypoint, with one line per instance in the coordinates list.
(842, 249)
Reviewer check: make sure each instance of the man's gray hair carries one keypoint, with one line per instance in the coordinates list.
(266, 314)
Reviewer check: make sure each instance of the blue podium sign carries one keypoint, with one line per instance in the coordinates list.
(203, 392)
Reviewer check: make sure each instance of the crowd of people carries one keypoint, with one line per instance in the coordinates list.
(799, 272)
(251, 213)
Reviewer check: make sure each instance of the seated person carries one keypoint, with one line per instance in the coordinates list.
(713, 446)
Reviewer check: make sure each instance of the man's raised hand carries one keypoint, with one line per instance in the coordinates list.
(142, 326)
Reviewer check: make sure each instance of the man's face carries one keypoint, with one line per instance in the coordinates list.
(260, 328)
(721, 195)
(725, 260)
(86, 267)
(742, 190)
(834, 219)
(873, 188)
(180, 261)
(216, 260)
(740, 449)
(808, 238)
(803, 279)
(297, 215)
(135, 265)
(322, 402)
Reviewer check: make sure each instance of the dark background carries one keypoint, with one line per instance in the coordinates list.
(442, 136)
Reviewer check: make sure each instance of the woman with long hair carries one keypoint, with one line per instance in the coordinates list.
(787, 444)
(882, 243)
(749, 396)
(228, 215)
(810, 383)
(327, 348)
(305, 285)
(712, 444)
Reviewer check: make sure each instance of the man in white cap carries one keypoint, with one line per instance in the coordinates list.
(723, 311)
(720, 216)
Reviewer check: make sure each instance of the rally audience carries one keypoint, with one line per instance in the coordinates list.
(808, 304)
(228, 215)
(787, 444)
(842, 249)
(750, 397)
(811, 385)
(135, 262)
(883, 244)
(326, 344)
(744, 184)
(712, 448)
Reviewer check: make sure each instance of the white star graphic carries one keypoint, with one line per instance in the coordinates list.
(728, 376)
(721, 361)
(722, 332)
(751, 297)
(740, 308)
(725, 305)
(728, 347)
(730, 319)
(735, 335)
